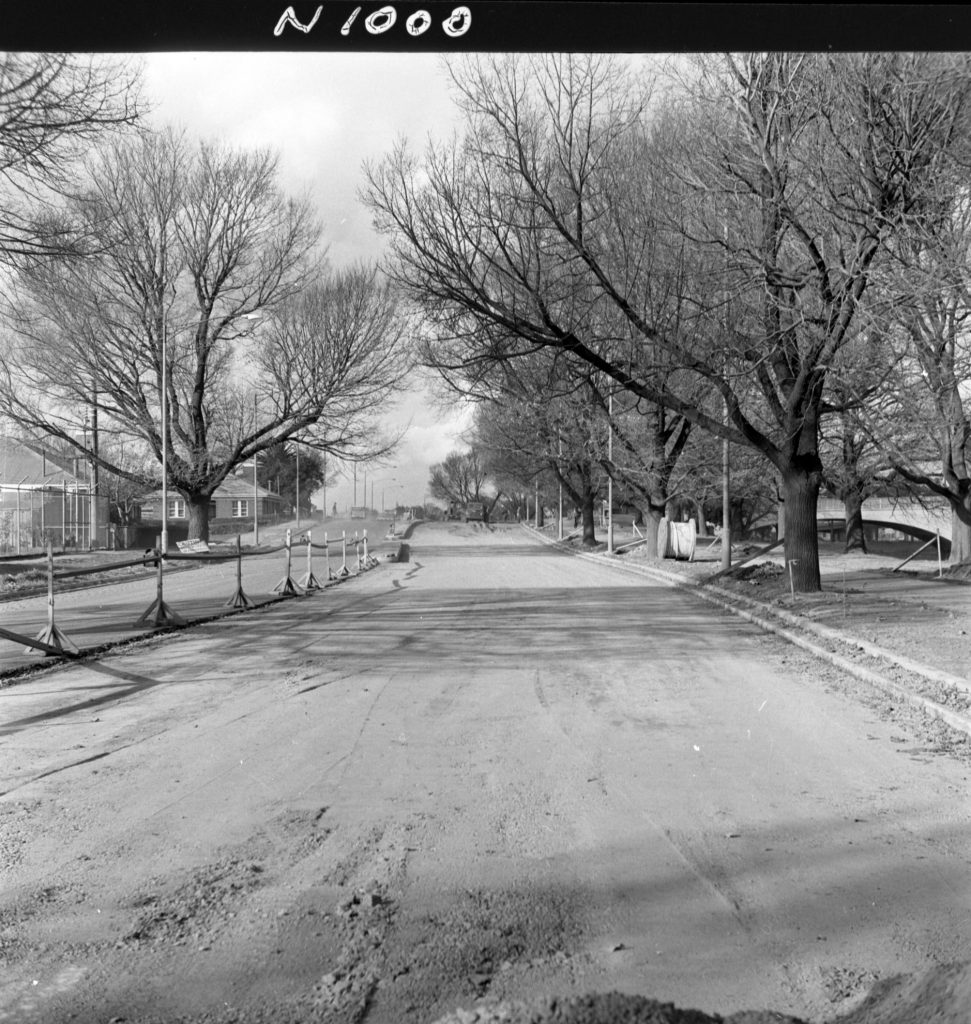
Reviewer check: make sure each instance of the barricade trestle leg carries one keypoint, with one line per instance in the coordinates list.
(286, 586)
(343, 571)
(158, 613)
(331, 575)
(239, 598)
(308, 581)
(51, 634)
(369, 560)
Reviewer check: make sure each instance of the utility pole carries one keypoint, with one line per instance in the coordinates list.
(163, 399)
(726, 502)
(93, 533)
(256, 492)
(559, 471)
(610, 477)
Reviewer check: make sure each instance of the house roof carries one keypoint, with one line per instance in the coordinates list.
(29, 464)
(240, 487)
(231, 487)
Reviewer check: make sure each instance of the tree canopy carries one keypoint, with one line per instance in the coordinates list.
(708, 246)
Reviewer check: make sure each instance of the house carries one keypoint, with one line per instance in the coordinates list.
(231, 509)
(46, 497)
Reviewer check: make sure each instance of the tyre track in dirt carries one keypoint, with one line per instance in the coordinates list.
(548, 782)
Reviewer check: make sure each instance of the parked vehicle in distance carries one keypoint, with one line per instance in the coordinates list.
(474, 512)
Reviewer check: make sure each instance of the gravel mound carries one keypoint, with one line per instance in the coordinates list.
(940, 995)
(604, 1008)
(757, 572)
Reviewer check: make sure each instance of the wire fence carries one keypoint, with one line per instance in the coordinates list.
(67, 517)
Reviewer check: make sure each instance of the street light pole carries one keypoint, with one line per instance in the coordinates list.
(559, 472)
(93, 476)
(324, 483)
(256, 493)
(726, 561)
(296, 447)
(165, 445)
(610, 477)
(382, 480)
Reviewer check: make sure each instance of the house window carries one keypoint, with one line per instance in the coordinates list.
(240, 509)
(176, 508)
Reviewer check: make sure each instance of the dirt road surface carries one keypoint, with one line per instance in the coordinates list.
(493, 772)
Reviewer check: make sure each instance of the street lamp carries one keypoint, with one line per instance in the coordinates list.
(296, 448)
(256, 492)
(396, 487)
(383, 480)
(610, 476)
(165, 434)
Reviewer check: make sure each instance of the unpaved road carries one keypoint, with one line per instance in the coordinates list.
(492, 772)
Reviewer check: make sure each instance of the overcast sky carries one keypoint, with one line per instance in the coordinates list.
(325, 113)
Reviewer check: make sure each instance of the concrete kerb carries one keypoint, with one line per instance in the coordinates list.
(762, 615)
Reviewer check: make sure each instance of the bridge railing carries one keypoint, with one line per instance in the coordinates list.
(834, 508)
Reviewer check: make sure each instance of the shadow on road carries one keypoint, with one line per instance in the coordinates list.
(115, 691)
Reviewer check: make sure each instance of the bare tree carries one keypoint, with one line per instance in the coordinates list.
(735, 238)
(929, 314)
(53, 108)
(539, 434)
(194, 240)
(461, 477)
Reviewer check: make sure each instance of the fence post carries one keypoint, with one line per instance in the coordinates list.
(239, 598)
(343, 570)
(308, 581)
(330, 575)
(158, 613)
(286, 586)
(51, 634)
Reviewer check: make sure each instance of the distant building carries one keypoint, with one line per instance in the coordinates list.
(45, 497)
(232, 504)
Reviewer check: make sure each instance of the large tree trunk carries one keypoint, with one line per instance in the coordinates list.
(961, 538)
(800, 489)
(653, 515)
(853, 510)
(588, 518)
(702, 514)
(198, 505)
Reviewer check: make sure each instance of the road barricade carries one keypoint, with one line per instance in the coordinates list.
(52, 641)
(51, 637)
(308, 581)
(286, 587)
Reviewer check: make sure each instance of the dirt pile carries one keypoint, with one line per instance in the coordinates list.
(604, 1008)
(757, 572)
(940, 995)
